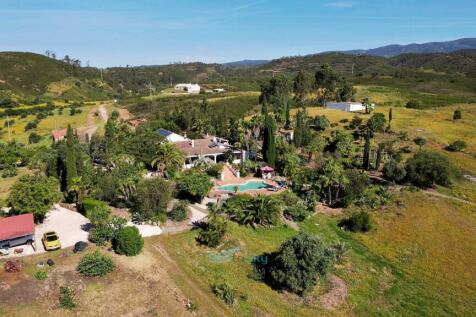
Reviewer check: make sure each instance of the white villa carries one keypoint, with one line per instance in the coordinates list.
(210, 148)
(346, 106)
(188, 88)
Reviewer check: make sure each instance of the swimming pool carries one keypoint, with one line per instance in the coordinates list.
(244, 187)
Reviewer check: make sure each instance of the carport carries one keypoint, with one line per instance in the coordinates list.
(16, 231)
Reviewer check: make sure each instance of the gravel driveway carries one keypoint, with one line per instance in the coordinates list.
(71, 227)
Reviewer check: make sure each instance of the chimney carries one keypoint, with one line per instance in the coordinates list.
(193, 143)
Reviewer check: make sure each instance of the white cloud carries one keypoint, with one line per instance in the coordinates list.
(340, 4)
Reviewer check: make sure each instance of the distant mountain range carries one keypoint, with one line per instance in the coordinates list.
(387, 51)
(430, 47)
(247, 63)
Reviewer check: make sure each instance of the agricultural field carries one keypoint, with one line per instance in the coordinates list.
(45, 126)
(435, 124)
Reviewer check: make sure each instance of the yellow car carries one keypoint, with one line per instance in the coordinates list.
(51, 241)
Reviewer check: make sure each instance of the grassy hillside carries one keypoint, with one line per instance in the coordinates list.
(25, 76)
(407, 266)
(28, 75)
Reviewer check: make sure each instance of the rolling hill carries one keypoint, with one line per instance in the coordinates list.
(26, 76)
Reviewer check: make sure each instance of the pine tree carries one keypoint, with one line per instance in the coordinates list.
(269, 143)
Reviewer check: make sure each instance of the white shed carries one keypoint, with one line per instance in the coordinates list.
(190, 88)
(346, 106)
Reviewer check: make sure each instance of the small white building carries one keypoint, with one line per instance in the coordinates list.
(346, 106)
(188, 88)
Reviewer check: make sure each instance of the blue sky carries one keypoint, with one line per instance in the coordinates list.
(144, 32)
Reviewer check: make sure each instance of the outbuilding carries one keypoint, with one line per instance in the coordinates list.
(188, 88)
(17, 230)
(346, 106)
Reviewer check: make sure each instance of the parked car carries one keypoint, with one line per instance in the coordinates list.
(51, 241)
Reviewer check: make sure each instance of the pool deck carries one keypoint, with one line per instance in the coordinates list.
(230, 179)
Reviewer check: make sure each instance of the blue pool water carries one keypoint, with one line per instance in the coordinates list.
(246, 186)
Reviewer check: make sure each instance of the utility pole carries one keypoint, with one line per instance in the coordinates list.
(101, 73)
(150, 88)
(353, 64)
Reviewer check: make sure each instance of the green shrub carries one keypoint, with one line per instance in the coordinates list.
(419, 141)
(394, 171)
(128, 241)
(297, 264)
(41, 275)
(66, 298)
(31, 125)
(95, 264)
(456, 146)
(457, 115)
(298, 212)
(9, 171)
(214, 170)
(415, 104)
(375, 196)
(101, 234)
(225, 292)
(427, 168)
(213, 232)
(180, 211)
(248, 210)
(358, 222)
(89, 204)
(34, 138)
(194, 184)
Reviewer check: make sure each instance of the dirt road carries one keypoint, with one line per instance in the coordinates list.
(91, 126)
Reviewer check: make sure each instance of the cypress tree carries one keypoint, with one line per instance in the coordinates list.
(71, 170)
(379, 156)
(269, 144)
(366, 158)
(298, 130)
(287, 115)
(264, 107)
(390, 117)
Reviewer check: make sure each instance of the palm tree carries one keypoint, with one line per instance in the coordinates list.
(332, 178)
(266, 210)
(166, 156)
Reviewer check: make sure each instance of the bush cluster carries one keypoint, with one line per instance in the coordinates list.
(95, 264)
(66, 298)
(128, 241)
(357, 222)
(212, 232)
(180, 211)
